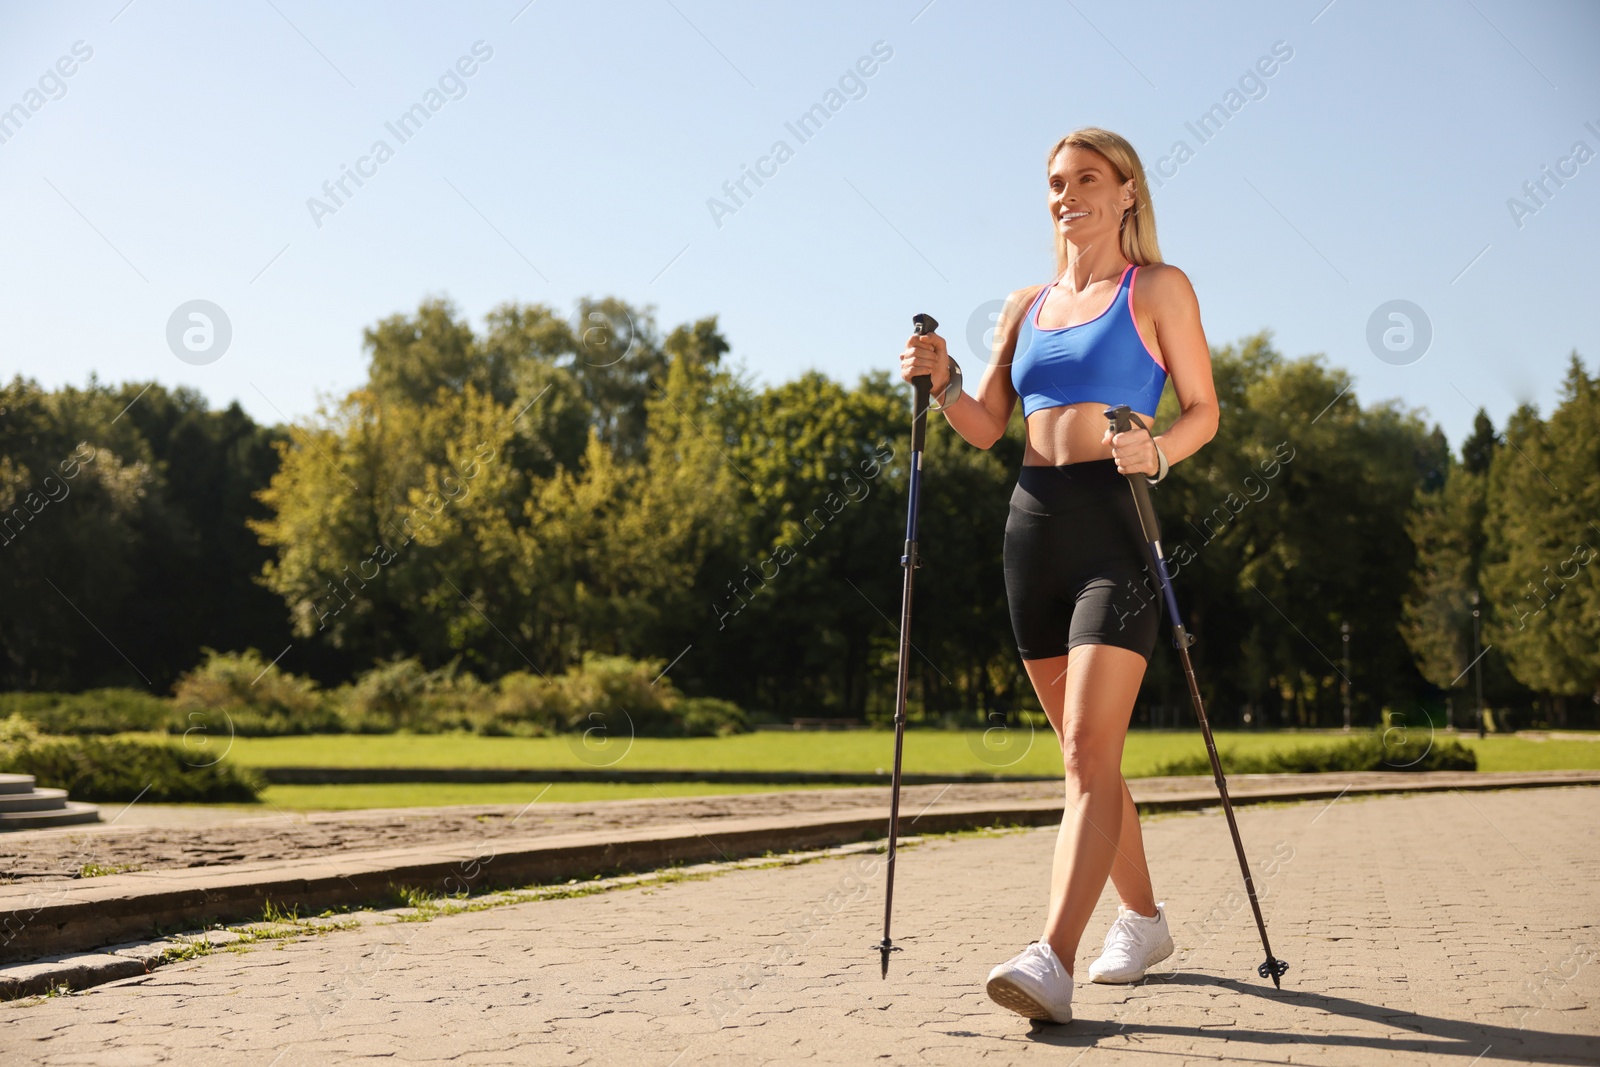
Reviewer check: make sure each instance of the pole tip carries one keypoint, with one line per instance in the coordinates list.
(1273, 969)
(884, 948)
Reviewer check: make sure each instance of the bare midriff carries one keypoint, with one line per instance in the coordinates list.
(1071, 433)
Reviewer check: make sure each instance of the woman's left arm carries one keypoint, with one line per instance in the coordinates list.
(1165, 290)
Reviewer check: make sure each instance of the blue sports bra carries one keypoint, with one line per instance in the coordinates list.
(1103, 360)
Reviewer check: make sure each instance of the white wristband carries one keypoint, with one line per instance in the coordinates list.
(1162, 468)
(952, 389)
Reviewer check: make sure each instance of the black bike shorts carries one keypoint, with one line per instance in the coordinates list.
(1078, 570)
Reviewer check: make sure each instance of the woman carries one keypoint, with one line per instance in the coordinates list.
(1110, 329)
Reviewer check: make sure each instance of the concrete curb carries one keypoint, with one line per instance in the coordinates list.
(54, 919)
(73, 972)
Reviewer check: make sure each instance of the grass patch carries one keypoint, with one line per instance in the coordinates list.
(1533, 754)
(60, 989)
(999, 830)
(275, 924)
(100, 870)
(853, 751)
(858, 751)
(1363, 752)
(271, 913)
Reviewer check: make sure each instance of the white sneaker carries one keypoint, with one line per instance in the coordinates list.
(1034, 984)
(1133, 943)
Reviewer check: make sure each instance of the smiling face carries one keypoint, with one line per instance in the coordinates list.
(1086, 201)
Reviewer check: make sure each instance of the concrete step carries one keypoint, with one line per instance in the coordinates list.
(16, 783)
(38, 800)
(70, 813)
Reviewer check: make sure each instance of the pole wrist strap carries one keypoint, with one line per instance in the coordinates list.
(952, 391)
(1161, 458)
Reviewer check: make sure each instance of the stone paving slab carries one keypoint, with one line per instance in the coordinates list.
(1448, 928)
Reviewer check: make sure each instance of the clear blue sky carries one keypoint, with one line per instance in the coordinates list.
(1375, 163)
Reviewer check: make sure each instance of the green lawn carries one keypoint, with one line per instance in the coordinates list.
(855, 750)
(859, 751)
(869, 751)
(1526, 754)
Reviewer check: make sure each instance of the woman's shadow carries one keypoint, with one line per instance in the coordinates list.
(1433, 1035)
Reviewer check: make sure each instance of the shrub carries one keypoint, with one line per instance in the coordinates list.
(1369, 752)
(96, 711)
(97, 769)
(254, 698)
(240, 693)
(26, 703)
(710, 717)
(384, 697)
(16, 733)
(628, 696)
(615, 693)
(458, 699)
(401, 694)
(524, 705)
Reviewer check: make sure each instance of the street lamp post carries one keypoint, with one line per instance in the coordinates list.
(1477, 662)
(1344, 634)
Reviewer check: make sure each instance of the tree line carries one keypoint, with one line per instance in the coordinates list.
(512, 497)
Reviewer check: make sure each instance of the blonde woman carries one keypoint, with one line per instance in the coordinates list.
(1111, 328)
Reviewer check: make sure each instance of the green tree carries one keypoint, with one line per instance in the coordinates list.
(552, 416)
(1447, 529)
(1447, 526)
(1539, 572)
(613, 547)
(123, 534)
(1288, 524)
(967, 658)
(365, 520)
(823, 495)
(618, 361)
(404, 527)
(412, 357)
(1477, 451)
(195, 578)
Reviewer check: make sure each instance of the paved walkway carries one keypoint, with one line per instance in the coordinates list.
(1453, 928)
(164, 837)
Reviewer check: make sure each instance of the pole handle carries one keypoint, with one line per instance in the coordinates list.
(1121, 417)
(922, 324)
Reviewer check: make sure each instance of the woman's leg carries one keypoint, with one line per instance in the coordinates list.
(1088, 696)
(1129, 871)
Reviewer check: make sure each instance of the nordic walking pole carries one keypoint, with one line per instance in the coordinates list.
(1120, 417)
(921, 384)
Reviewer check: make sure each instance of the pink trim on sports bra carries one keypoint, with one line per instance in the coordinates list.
(1131, 283)
(1045, 295)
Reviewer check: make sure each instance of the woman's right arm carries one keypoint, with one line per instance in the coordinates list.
(980, 420)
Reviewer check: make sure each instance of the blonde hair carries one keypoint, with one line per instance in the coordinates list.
(1137, 234)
